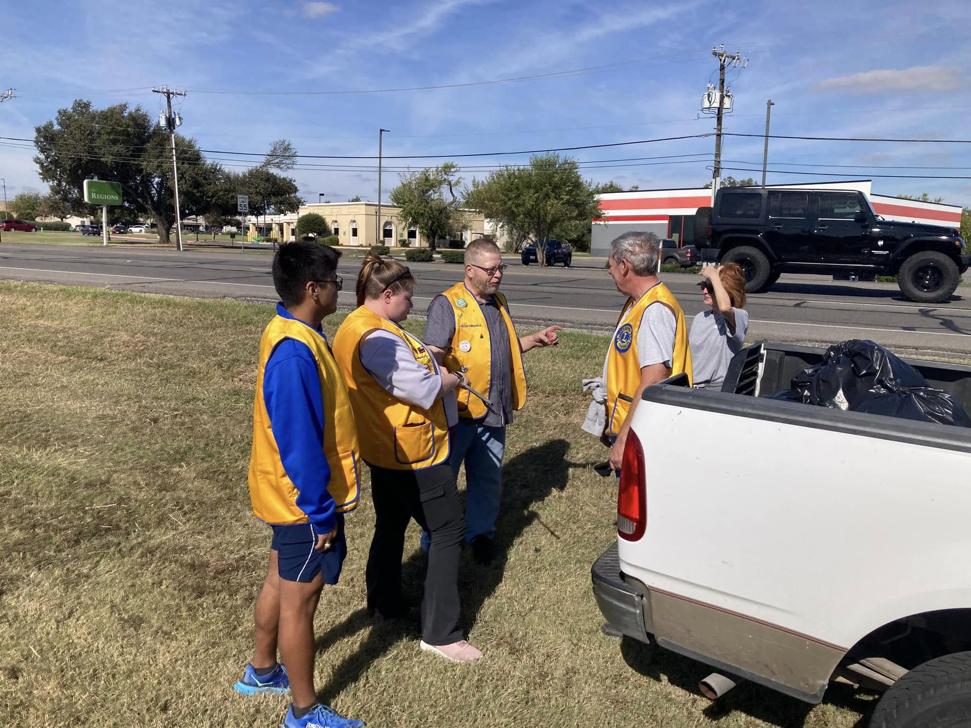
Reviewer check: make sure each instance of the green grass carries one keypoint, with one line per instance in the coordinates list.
(131, 561)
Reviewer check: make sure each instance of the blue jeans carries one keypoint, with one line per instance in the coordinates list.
(481, 449)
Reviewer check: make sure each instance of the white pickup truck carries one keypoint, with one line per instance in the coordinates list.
(798, 545)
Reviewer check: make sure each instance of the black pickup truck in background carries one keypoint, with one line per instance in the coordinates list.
(833, 232)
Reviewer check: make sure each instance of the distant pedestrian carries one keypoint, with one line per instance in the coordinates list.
(469, 329)
(303, 476)
(718, 333)
(404, 403)
(650, 342)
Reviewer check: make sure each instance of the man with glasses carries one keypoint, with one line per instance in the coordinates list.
(303, 477)
(469, 330)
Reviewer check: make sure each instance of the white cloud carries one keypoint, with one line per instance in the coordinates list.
(880, 80)
(318, 9)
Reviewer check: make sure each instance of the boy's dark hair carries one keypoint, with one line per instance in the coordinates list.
(297, 263)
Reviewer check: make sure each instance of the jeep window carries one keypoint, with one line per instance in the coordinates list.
(746, 205)
(793, 205)
(839, 205)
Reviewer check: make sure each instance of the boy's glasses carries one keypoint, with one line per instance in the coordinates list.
(338, 282)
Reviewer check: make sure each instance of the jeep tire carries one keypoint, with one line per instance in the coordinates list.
(928, 277)
(937, 693)
(755, 265)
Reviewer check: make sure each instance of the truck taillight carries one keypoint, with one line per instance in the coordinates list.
(632, 493)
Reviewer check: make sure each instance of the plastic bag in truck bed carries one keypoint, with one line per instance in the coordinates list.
(861, 376)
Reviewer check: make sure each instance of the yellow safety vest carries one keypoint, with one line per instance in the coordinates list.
(272, 493)
(623, 366)
(470, 350)
(395, 435)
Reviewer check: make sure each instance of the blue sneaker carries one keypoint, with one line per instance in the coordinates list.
(321, 717)
(253, 684)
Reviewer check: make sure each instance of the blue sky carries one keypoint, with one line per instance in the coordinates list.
(833, 68)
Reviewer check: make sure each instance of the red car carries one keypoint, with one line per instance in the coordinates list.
(20, 225)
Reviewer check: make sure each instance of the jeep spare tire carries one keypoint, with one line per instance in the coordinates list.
(754, 264)
(928, 277)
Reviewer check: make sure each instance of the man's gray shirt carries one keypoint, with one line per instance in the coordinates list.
(439, 330)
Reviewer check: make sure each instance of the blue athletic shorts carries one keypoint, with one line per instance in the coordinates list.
(300, 561)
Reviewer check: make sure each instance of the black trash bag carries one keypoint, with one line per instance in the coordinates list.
(861, 376)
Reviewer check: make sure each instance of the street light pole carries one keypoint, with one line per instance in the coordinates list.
(381, 133)
(320, 195)
(765, 149)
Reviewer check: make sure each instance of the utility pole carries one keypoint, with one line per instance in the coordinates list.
(170, 122)
(725, 60)
(765, 149)
(380, 231)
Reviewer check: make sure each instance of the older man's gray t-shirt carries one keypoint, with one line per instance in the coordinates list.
(713, 346)
(439, 330)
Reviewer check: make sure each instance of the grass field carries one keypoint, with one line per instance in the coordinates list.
(131, 561)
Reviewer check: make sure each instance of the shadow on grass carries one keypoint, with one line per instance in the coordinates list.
(748, 698)
(527, 479)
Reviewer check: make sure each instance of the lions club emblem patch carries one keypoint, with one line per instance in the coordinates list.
(461, 302)
(624, 338)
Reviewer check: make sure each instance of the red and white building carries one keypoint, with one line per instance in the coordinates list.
(670, 213)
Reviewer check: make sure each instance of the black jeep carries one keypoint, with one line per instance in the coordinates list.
(833, 232)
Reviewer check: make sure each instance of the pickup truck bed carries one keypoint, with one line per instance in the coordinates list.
(793, 542)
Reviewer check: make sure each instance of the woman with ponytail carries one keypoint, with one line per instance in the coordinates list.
(404, 404)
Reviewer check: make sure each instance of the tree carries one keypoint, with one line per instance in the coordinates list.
(27, 205)
(282, 155)
(547, 200)
(126, 146)
(732, 182)
(428, 202)
(606, 187)
(922, 197)
(53, 206)
(966, 224)
(355, 198)
(269, 193)
(312, 225)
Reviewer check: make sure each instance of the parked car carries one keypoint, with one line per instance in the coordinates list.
(86, 229)
(119, 229)
(685, 255)
(810, 546)
(19, 225)
(138, 228)
(834, 232)
(554, 252)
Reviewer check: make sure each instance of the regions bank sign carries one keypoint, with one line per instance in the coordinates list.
(100, 192)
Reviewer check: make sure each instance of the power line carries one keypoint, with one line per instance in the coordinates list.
(841, 174)
(850, 139)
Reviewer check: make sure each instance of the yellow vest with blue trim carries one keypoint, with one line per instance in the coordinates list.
(394, 434)
(623, 366)
(470, 350)
(272, 493)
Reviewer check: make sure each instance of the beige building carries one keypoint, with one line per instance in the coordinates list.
(356, 224)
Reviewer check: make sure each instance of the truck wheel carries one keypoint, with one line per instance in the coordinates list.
(928, 277)
(670, 260)
(754, 264)
(936, 693)
(525, 261)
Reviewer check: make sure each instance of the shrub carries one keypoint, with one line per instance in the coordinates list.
(404, 243)
(330, 240)
(453, 256)
(418, 255)
(54, 226)
(456, 244)
(311, 226)
(380, 250)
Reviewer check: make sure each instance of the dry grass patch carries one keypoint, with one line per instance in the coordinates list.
(130, 559)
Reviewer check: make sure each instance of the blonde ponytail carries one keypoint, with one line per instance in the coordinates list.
(379, 274)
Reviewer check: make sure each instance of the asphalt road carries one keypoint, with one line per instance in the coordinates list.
(803, 309)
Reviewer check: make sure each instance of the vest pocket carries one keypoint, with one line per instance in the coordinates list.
(344, 486)
(619, 413)
(463, 397)
(414, 443)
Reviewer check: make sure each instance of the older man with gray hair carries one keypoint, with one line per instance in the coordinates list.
(650, 343)
(469, 329)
